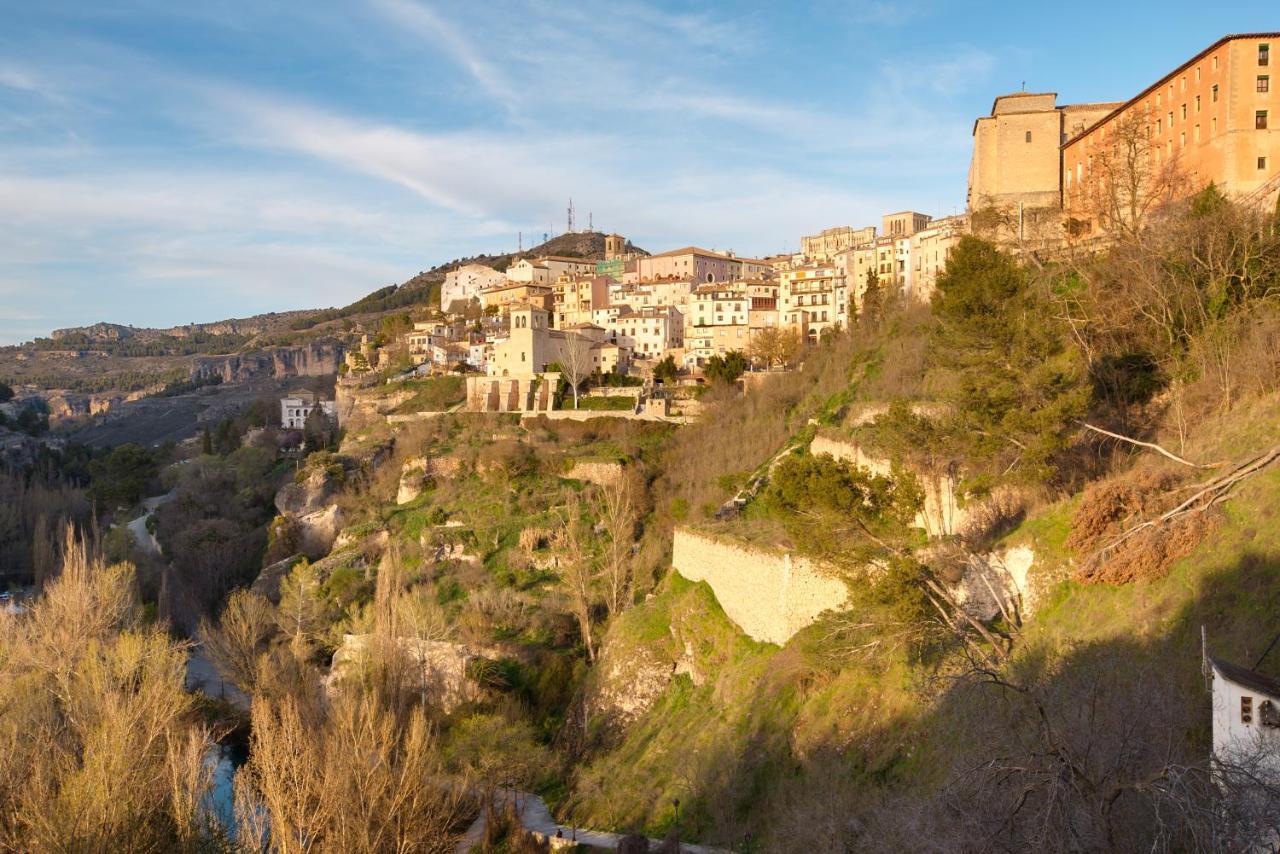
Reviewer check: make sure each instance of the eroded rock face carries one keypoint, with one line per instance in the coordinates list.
(628, 681)
(441, 667)
(1004, 573)
(310, 504)
(319, 358)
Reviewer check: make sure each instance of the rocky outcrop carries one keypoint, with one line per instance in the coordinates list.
(267, 584)
(319, 358)
(999, 577)
(441, 668)
(308, 502)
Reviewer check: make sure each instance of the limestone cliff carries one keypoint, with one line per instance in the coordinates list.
(319, 358)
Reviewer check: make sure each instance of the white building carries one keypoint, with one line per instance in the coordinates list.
(1246, 713)
(297, 407)
(649, 332)
(813, 298)
(465, 284)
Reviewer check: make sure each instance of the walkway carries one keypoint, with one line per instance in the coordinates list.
(536, 818)
(138, 527)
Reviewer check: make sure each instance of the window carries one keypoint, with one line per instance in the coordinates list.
(1213, 93)
(1182, 83)
(1159, 126)
(1182, 140)
(1262, 163)
(1246, 710)
(1028, 136)
(1197, 103)
(1197, 133)
(1264, 54)
(1260, 120)
(1213, 125)
(1171, 120)
(1215, 64)
(1197, 74)
(1264, 83)
(1184, 112)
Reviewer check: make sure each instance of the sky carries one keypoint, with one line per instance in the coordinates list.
(171, 162)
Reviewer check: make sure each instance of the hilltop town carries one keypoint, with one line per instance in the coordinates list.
(948, 533)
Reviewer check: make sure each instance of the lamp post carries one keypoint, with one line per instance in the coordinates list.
(676, 803)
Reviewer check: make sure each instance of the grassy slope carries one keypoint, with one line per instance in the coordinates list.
(727, 746)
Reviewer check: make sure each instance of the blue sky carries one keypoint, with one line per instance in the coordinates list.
(164, 163)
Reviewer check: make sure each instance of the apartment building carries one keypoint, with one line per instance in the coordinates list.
(513, 292)
(813, 299)
(928, 253)
(574, 298)
(549, 268)
(648, 333)
(718, 305)
(1214, 118)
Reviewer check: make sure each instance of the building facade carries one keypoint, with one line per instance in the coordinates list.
(1017, 149)
(297, 407)
(1212, 119)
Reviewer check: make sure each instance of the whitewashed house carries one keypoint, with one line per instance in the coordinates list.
(298, 406)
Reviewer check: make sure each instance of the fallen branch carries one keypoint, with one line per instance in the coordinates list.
(1151, 445)
(1210, 493)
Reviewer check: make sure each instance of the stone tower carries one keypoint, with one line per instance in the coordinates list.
(615, 246)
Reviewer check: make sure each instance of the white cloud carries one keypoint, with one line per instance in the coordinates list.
(465, 51)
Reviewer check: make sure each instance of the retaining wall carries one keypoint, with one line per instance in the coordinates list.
(769, 595)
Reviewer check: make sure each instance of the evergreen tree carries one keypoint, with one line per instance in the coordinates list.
(1016, 388)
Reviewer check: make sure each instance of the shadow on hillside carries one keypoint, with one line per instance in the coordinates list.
(1095, 746)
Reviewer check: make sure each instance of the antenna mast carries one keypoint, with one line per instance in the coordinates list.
(570, 215)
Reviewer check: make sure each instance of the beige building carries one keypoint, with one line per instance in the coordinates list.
(648, 333)
(575, 298)
(928, 253)
(813, 299)
(532, 344)
(718, 305)
(903, 223)
(510, 293)
(1017, 149)
(829, 242)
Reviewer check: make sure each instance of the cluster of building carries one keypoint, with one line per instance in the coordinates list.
(627, 311)
(1034, 162)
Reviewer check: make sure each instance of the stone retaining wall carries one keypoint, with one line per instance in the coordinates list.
(769, 595)
(941, 515)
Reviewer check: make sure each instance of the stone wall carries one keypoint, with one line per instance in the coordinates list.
(941, 514)
(769, 595)
(601, 473)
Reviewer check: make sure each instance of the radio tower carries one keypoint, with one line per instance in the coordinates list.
(571, 216)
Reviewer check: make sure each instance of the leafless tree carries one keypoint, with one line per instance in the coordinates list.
(575, 362)
(239, 638)
(577, 570)
(1129, 178)
(618, 515)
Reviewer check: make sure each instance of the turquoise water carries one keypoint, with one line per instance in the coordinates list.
(226, 760)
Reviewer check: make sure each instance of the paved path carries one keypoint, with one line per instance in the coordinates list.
(138, 527)
(536, 818)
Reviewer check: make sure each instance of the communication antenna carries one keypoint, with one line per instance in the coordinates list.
(590, 221)
(520, 241)
(570, 230)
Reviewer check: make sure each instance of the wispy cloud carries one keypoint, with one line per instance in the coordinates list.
(466, 52)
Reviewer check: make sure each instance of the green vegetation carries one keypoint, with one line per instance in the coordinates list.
(608, 403)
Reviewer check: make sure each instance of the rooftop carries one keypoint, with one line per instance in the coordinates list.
(1251, 679)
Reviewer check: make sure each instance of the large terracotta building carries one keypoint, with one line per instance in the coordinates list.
(1215, 118)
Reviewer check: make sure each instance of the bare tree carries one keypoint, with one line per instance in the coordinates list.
(575, 362)
(618, 514)
(240, 637)
(1129, 178)
(577, 569)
